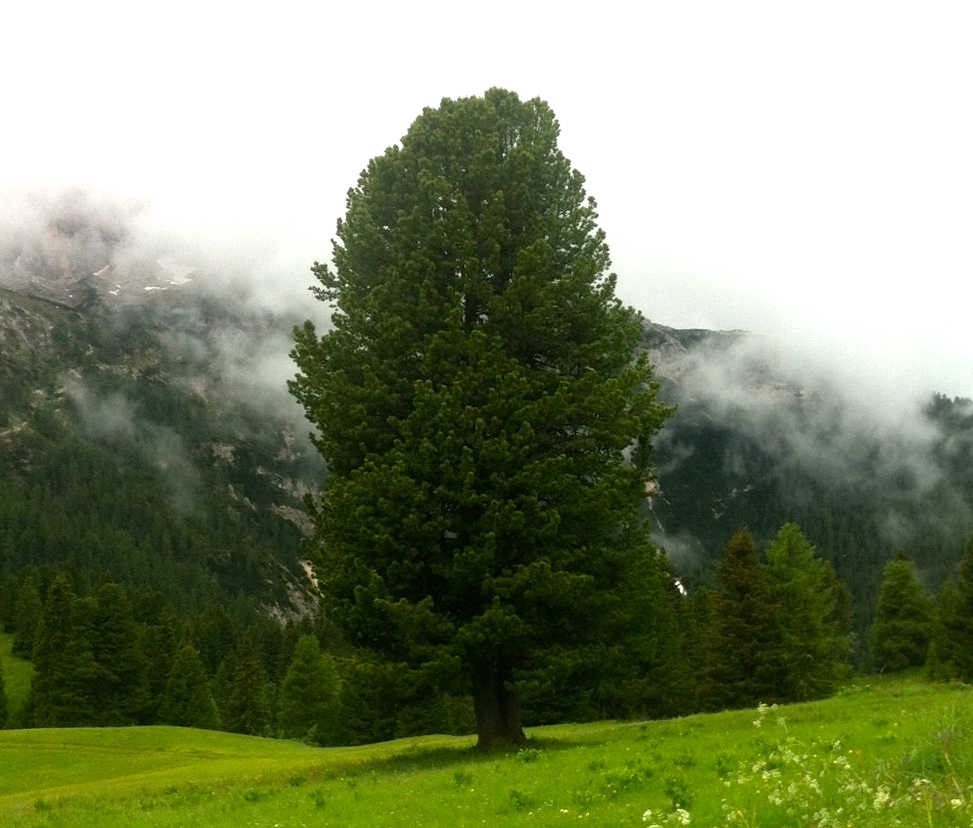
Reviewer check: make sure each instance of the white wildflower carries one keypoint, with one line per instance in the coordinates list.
(680, 817)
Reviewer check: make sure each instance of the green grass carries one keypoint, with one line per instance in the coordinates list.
(885, 753)
(16, 674)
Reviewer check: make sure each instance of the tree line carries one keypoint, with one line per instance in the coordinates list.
(774, 626)
(116, 657)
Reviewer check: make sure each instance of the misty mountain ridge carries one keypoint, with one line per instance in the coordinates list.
(167, 366)
(145, 428)
(763, 437)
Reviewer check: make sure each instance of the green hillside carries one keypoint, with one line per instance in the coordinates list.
(131, 446)
(16, 675)
(880, 754)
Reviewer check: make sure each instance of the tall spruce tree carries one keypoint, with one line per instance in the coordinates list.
(120, 686)
(187, 700)
(740, 641)
(309, 694)
(64, 668)
(903, 623)
(486, 428)
(815, 649)
(246, 707)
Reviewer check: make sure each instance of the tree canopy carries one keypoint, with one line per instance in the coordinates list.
(903, 625)
(486, 426)
(740, 643)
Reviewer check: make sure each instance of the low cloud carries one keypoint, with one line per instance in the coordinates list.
(114, 419)
(76, 247)
(810, 423)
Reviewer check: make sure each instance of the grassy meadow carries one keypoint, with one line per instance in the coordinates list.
(16, 674)
(885, 753)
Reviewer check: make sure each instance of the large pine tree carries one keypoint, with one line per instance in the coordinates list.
(486, 429)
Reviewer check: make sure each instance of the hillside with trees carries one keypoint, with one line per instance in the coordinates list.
(508, 499)
(759, 442)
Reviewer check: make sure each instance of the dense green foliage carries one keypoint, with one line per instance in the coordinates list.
(774, 630)
(122, 453)
(4, 708)
(486, 427)
(815, 643)
(951, 648)
(246, 709)
(187, 700)
(903, 623)
(310, 693)
(740, 644)
(64, 665)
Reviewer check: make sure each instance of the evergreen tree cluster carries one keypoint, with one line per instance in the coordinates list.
(117, 657)
(844, 500)
(774, 629)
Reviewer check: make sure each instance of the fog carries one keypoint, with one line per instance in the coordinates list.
(113, 418)
(67, 246)
(825, 429)
(799, 172)
(835, 408)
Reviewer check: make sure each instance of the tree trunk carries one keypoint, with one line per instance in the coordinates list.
(497, 708)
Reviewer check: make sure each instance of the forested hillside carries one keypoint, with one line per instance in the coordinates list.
(127, 451)
(760, 440)
(153, 469)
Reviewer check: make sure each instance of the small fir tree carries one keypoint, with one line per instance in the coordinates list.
(309, 694)
(815, 650)
(943, 657)
(159, 645)
(64, 668)
(903, 623)
(246, 707)
(740, 641)
(187, 701)
(958, 621)
(120, 688)
(27, 612)
(3, 698)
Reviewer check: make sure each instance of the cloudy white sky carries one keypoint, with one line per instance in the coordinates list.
(804, 170)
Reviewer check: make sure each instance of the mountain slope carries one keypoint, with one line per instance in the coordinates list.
(125, 451)
(761, 439)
